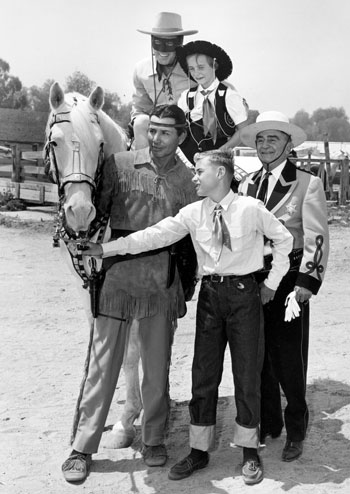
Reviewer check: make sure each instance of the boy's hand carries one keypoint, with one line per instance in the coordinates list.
(266, 294)
(92, 249)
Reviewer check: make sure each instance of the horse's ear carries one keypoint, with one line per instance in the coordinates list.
(56, 96)
(96, 98)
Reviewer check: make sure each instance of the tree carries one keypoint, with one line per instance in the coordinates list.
(331, 122)
(12, 95)
(118, 111)
(38, 97)
(79, 83)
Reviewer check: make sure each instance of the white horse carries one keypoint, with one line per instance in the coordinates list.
(79, 135)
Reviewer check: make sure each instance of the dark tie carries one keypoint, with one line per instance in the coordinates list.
(209, 119)
(263, 188)
(221, 235)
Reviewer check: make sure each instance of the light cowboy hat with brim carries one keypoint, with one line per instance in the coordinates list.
(201, 47)
(168, 24)
(272, 120)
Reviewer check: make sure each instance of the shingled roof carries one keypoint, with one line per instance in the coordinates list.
(22, 126)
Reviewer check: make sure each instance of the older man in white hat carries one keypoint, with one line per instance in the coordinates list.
(297, 199)
(160, 79)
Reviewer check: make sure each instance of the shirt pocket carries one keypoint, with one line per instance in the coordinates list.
(242, 237)
(203, 238)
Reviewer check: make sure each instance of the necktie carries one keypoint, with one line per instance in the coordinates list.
(209, 119)
(221, 235)
(263, 188)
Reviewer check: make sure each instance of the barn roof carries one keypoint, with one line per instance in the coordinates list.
(22, 126)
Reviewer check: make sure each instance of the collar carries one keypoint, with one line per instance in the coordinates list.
(143, 159)
(276, 172)
(212, 86)
(225, 202)
(152, 73)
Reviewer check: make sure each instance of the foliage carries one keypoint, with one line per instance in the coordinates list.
(12, 94)
(9, 203)
(38, 97)
(331, 122)
(119, 112)
(79, 83)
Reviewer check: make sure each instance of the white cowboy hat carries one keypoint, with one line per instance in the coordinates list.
(272, 120)
(168, 24)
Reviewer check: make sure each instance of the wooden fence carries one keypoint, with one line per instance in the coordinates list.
(334, 174)
(22, 173)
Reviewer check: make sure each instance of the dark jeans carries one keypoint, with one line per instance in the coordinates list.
(285, 364)
(228, 312)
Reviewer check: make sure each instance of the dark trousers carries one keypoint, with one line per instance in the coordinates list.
(230, 312)
(285, 364)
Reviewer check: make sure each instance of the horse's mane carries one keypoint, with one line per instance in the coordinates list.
(82, 116)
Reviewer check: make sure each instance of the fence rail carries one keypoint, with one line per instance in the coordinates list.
(333, 172)
(23, 174)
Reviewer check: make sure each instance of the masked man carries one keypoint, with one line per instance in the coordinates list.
(160, 79)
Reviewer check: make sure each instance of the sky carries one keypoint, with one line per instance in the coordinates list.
(287, 55)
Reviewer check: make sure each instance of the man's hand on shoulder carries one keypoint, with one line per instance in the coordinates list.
(266, 294)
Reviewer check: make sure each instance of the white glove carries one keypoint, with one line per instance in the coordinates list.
(292, 307)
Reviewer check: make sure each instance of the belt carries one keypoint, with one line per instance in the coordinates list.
(218, 278)
(295, 258)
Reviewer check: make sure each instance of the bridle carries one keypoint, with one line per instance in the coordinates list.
(76, 175)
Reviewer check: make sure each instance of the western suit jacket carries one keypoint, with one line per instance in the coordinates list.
(299, 202)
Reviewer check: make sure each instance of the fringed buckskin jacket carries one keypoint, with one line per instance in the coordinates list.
(136, 196)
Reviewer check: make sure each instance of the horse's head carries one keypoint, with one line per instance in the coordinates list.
(74, 151)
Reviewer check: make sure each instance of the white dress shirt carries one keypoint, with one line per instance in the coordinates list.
(234, 102)
(247, 221)
(273, 179)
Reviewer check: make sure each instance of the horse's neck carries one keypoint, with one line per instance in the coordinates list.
(114, 136)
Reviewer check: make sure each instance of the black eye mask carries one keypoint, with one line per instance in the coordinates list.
(165, 45)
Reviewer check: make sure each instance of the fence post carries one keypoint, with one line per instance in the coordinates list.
(16, 169)
(329, 181)
(344, 182)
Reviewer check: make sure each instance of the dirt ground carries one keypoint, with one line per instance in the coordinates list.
(44, 335)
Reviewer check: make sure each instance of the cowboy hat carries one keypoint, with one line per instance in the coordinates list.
(206, 48)
(168, 24)
(272, 120)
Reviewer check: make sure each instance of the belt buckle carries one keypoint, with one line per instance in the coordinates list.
(216, 278)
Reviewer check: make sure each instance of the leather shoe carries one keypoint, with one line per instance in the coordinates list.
(154, 456)
(76, 467)
(187, 466)
(292, 450)
(252, 472)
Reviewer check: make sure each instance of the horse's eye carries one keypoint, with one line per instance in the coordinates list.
(53, 143)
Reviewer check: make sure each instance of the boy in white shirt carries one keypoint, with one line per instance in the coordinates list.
(227, 232)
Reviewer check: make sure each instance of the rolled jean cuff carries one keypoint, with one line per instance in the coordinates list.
(246, 437)
(202, 437)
